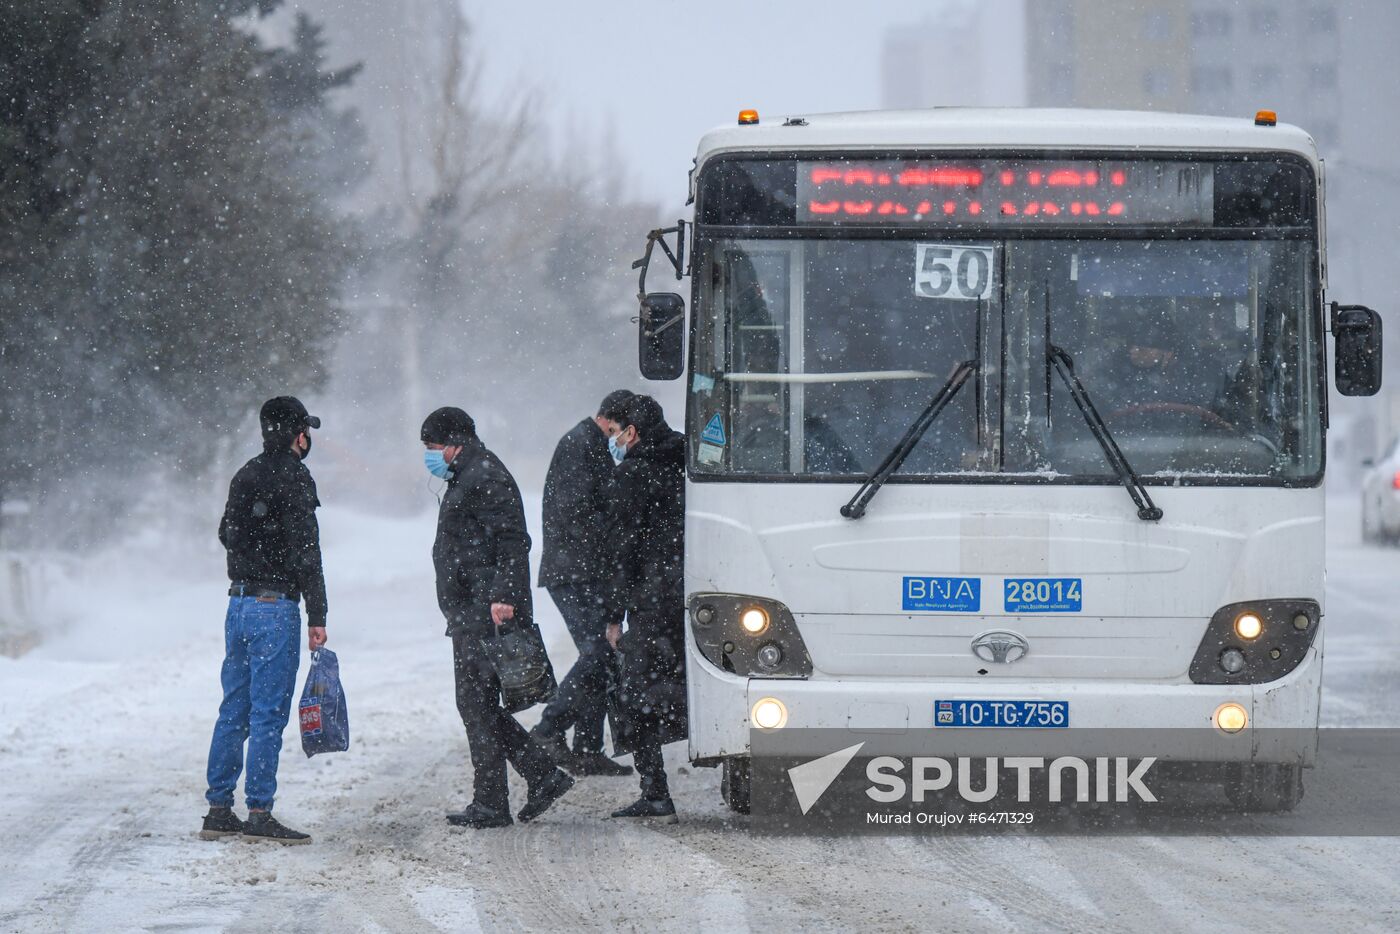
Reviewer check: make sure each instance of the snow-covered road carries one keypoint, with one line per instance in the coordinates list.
(103, 733)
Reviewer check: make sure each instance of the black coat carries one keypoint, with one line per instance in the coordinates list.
(482, 550)
(647, 538)
(577, 493)
(647, 524)
(269, 528)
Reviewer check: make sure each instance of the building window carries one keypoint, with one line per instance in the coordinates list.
(1157, 25)
(1055, 19)
(1059, 83)
(1157, 82)
(1322, 77)
(1264, 78)
(1211, 24)
(1263, 20)
(1211, 79)
(1322, 19)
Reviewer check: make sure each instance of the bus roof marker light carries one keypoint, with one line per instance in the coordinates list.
(748, 117)
(1229, 717)
(1265, 118)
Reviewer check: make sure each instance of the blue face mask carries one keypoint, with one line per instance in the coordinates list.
(617, 450)
(436, 464)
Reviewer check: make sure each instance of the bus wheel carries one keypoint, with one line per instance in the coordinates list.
(1264, 786)
(734, 784)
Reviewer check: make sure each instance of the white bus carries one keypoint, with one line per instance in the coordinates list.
(1006, 418)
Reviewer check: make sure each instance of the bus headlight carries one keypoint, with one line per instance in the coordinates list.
(1232, 661)
(1255, 642)
(1248, 626)
(769, 714)
(1229, 718)
(769, 656)
(726, 627)
(754, 620)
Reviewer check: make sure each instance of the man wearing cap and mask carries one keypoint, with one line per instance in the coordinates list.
(482, 558)
(274, 559)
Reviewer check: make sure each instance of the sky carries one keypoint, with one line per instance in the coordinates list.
(650, 77)
(659, 73)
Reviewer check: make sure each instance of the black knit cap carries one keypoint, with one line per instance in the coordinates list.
(612, 405)
(644, 413)
(448, 425)
(285, 417)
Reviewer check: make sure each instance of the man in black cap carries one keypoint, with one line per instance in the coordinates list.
(274, 558)
(482, 559)
(576, 568)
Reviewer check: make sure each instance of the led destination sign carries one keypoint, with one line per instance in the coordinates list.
(1005, 192)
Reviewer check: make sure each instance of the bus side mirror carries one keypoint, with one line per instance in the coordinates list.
(660, 328)
(1356, 331)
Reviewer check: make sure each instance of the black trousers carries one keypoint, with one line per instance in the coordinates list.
(581, 700)
(653, 678)
(493, 735)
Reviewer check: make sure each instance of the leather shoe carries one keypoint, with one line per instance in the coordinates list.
(662, 811)
(479, 816)
(544, 793)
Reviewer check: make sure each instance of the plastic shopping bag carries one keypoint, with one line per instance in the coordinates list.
(518, 656)
(325, 723)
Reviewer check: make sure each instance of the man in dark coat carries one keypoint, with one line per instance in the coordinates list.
(576, 569)
(648, 541)
(274, 559)
(482, 559)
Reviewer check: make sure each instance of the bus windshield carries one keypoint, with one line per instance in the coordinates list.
(811, 357)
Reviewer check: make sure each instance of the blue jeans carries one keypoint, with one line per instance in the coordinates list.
(581, 701)
(262, 648)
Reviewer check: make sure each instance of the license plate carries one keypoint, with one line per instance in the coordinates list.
(1027, 713)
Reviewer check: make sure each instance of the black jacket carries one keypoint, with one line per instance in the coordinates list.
(269, 528)
(647, 525)
(577, 493)
(482, 551)
(648, 537)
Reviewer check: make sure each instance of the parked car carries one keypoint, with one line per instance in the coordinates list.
(1380, 497)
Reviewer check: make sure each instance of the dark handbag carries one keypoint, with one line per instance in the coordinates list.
(518, 655)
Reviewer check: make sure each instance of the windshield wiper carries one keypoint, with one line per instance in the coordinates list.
(1147, 510)
(856, 507)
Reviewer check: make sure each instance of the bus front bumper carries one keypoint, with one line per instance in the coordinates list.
(1282, 714)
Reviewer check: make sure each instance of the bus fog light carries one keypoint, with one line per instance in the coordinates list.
(1230, 717)
(754, 620)
(769, 714)
(769, 656)
(1232, 661)
(1248, 626)
(1301, 622)
(705, 615)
